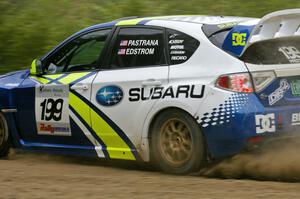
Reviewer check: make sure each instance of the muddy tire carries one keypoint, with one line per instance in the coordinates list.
(4, 137)
(176, 143)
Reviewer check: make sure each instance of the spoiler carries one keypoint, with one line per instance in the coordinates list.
(280, 24)
(284, 23)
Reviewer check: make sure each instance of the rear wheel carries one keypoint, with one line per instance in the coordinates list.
(4, 137)
(177, 145)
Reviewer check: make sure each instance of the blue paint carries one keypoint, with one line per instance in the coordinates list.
(231, 137)
(288, 97)
(228, 46)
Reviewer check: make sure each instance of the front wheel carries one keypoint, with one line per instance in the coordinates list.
(177, 144)
(4, 137)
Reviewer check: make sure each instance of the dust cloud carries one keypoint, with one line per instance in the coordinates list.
(277, 162)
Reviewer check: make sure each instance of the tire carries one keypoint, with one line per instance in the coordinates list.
(177, 144)
(4, 137)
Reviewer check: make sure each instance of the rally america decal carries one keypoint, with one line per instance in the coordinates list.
(52, 110)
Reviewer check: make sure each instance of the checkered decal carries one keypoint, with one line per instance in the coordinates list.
(225, 112)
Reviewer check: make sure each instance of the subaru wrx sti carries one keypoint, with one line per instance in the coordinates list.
(173, 90)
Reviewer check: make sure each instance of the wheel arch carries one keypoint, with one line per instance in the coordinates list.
(148, 125)
(155, 116)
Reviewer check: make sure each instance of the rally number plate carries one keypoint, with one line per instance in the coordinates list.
(51, 110)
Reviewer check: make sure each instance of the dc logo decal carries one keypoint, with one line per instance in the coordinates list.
(265, 123)
(109, 95)
(239, 39)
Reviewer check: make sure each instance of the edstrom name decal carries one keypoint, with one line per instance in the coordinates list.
(181, 91)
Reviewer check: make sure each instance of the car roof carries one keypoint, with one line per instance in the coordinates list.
(193, 19)
(199, 19)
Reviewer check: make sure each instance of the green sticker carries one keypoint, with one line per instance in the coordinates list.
(296, 87)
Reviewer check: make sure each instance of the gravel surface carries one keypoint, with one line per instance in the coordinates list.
(26, 175)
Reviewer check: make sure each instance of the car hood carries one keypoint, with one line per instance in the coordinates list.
(13, 79)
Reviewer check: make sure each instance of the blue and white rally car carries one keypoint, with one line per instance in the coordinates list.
(173, 90)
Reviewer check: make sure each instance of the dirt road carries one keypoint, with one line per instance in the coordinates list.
(42, 176)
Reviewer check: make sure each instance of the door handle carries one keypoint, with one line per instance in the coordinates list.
(151, 82)
(82, 87)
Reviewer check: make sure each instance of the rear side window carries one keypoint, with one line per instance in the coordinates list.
(181, 46)
(219, 38)
(138, 47)
(275, 51)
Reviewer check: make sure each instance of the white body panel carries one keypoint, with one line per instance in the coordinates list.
(129, 116)
(201, 69)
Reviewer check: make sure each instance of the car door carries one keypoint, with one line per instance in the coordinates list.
(46, 115)
(125, 90)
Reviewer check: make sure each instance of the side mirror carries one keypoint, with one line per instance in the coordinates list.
(36, 68)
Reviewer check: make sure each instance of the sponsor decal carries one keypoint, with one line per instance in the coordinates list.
(295, 119)
(177, 58)
(109, 95)
(295, 86)
(265, 123)
(291, 53)
(279, 92)
(176, 41)
(173, 36)
(182, 91)
(49, 129)
(177, 51)
(52, 110)
(177, 47)
(239, 39)
(228, 25)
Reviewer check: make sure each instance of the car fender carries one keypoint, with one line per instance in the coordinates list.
(185, 104)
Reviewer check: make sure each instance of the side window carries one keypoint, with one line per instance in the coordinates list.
(80, 54)
(137, 47)
(181, 46)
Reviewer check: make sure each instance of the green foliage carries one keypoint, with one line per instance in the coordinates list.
(30, 28)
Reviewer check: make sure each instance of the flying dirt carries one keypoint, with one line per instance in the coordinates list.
(278, 161)
(33, 176)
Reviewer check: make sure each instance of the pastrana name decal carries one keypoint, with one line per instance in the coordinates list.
(182, 91)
